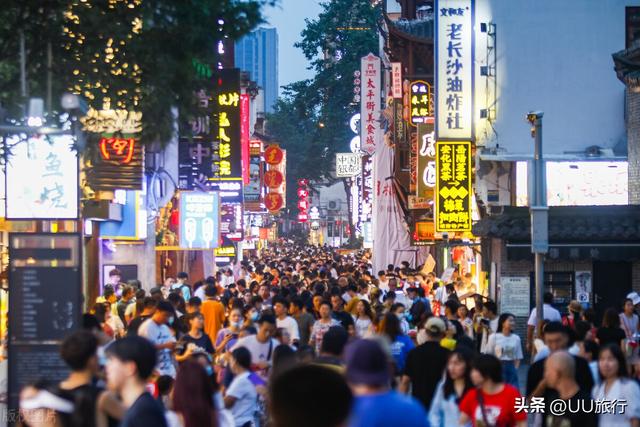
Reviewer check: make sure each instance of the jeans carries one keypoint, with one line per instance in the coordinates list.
(510, 373)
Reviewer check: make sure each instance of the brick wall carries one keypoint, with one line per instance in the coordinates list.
(633, 143)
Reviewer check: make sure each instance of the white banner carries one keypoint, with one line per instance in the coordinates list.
(370, 103)
(348, 165)
(396, 80)
(454, 69)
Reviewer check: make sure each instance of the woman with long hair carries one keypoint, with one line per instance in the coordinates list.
(616, 386)
(401, 344)
(195, 339)
(610, 332)
(364, 319)
(507, 347)
(193, 396)
(444, 410)
(490, 392)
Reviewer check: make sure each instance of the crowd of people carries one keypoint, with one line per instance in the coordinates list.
(304, 336)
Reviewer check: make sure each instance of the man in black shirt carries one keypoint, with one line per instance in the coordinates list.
(425, 364)
(556, 337)
(148, 308)
(559, 373)
(340, 315)
(130, 362)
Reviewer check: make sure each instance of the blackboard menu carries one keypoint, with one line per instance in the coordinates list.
(45, 306)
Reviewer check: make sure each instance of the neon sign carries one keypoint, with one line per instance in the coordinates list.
(119, 150)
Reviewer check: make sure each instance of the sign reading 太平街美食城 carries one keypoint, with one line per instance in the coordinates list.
(453, 186)
(42, 178)
(454, 69)
(370, 103)
(199, 220)
(348, 164)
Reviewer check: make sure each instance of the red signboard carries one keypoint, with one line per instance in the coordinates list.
(302, 193)
(273, 155)
(117, 150)
(273, 202)
(303, 217)
(273, 179)
(244, 136)
(303, 182)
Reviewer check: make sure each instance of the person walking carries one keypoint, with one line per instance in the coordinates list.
(213, 312)
(364, 319)
(401, 344)
(193, 397)
(322, 325)
(241, 397)
(631, 327)
(445, 409)
(506, 346)
(610, 332)
(195, 339)
(155, 329)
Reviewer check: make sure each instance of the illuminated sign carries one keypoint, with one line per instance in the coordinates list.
(348, 165)
(227, 146)
(273, 202)
(303, 200)
(366, 207)
(314, 213)
(134, 218)
(225, 251)
(273, 155)
(244, 135)
(195, 146)
(370, 103)
(273, 179)
(199, 220)
(453, 186)
(592, 183)
(112, 121)
(252, 191)
(454, 69)
(424, 233)
(396, 79)
(231, 221)
(426, 161)
(41, 178)
(420, 103)
(117, 150)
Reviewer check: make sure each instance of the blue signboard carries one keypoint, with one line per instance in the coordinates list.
(199, 220)
(133, 225)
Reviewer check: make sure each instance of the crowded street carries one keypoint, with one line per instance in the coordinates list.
(320, 213)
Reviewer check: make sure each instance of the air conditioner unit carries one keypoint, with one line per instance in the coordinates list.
(333, 205)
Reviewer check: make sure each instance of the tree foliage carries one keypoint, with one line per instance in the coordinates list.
(138, 54)
(311, 119)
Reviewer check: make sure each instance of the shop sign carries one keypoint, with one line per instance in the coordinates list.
(118, 150)
(199, 220)
(348, 165)
(252, 191)
(273, 202)
(231, 221)
(227, 146)
(273, 155)
(41, 178)
(112, 121)
(416, 202)
(134, 218)
(420, 110)
(426, 161)
(453, 186)
(245, 117)
(273, 179)
(370, 103)
(454, 69)
(396, 79)
(225, 251)
(424, 233)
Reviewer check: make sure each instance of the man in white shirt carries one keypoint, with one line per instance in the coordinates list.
(155, 329)
(261, 345)
(283, 320)
(383, 282)
(548, 313)
(241, 397)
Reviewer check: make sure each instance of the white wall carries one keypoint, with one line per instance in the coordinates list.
(554, 56)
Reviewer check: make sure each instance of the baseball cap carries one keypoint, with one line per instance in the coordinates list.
(633, 296)
(367, 363)
(436, 325)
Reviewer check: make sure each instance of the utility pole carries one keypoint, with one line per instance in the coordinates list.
(539, 213)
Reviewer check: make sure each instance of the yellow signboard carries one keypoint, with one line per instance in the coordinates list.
(453, 186)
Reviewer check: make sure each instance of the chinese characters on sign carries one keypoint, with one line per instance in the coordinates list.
(303, 200)
(348, 164)
(454, 69)
(370, 103)
(365, 208)
(426, 161)
(227, 147)
(396, 79)
(275, 157)
(117, 150)
(42, 178)
(245, 117)
(453, 186)
(420, 110)
(199, 220)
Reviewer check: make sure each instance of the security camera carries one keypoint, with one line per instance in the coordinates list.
(532, 116)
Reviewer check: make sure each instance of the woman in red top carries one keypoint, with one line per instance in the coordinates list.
(492, 403)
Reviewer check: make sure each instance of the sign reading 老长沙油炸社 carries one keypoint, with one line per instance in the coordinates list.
(41, 178)
(426, 161)
(369, 103)
(348, 164)
(454, 69)
(453, 186)
(199, 219)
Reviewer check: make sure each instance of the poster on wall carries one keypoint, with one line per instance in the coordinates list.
(514, 295)
(42, 178)
(583, 287)
(199, 220)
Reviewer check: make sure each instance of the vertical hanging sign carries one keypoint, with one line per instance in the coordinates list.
(244, 135)
(396, 80)
(227, 147)
(370, 103)
(453, 186)
(426, 161)
(454, 69)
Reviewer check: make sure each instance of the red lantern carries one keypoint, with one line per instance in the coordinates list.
(273, 155)
(273, 202)
(273, 179)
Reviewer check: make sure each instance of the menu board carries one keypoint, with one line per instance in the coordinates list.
(45, 305)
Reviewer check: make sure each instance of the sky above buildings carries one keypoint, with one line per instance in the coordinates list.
(288, 17)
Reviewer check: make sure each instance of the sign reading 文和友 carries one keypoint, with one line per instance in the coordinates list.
(199, 219)
(453, 186)
(454, 69)
(370, 103)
